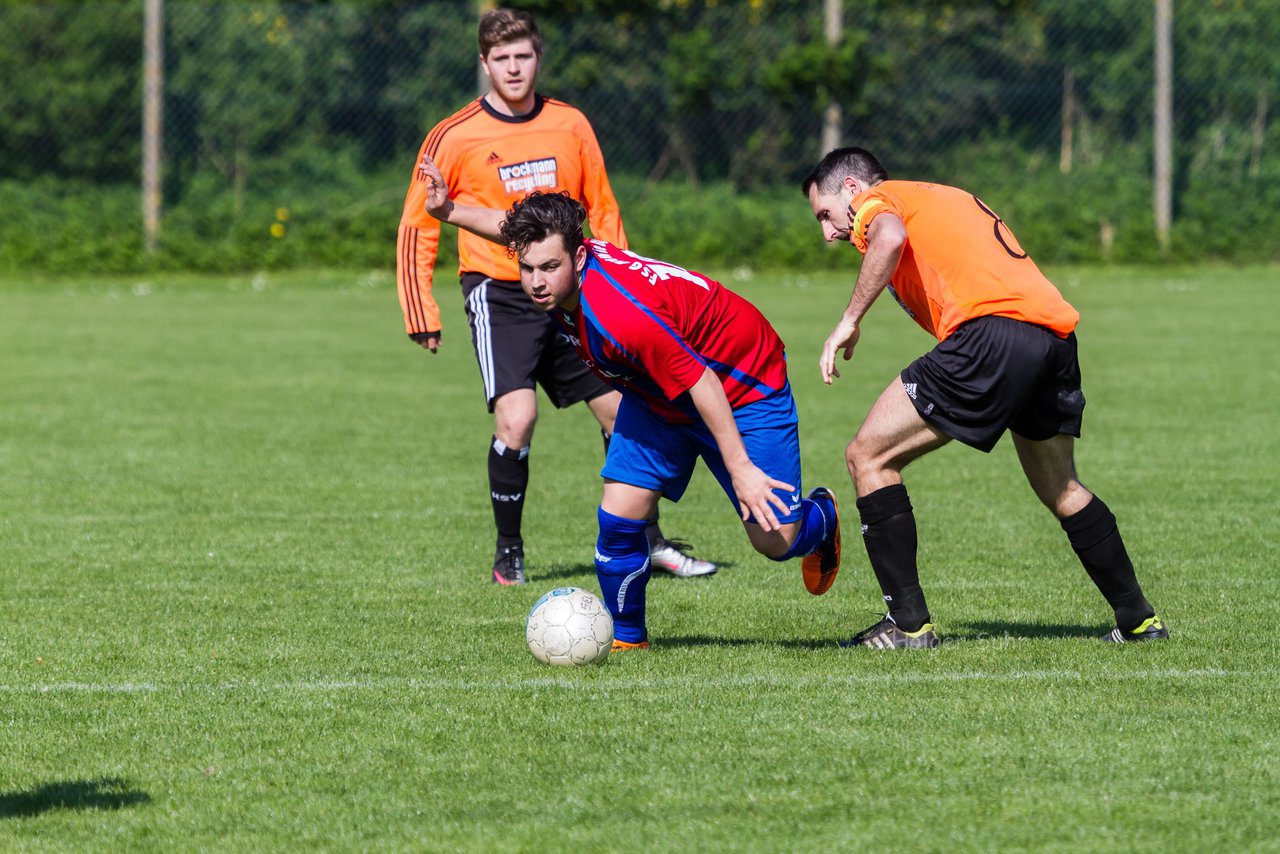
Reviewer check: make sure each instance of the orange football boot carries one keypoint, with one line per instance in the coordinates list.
(821, 565)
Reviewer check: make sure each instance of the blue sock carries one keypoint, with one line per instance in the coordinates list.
(819, 515)
(622, 568)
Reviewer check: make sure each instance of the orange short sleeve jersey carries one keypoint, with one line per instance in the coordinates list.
(492, 160)
(960, 260)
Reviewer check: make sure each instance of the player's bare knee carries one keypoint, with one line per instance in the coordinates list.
(1070, 500)
(772, 549)
(517, 431)
(772, 544)
(861, 462)
(851, 458)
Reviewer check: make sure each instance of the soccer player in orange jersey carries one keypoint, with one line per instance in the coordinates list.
(1006, 360)
(493, 152)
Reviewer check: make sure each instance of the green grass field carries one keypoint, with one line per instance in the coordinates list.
(244, 537)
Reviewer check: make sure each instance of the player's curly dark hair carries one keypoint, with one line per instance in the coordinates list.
(540, 215)
(854, 161)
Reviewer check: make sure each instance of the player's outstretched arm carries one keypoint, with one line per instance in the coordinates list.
(885, 238)
(486, 222)
(754, 488)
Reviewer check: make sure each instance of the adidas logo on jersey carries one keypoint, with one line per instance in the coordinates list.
(493, 158)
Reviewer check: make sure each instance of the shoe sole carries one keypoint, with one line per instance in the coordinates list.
(1116, 636)
(816, 581)
(914, 643)
(507, 582)
(624, 646)
(686, 574)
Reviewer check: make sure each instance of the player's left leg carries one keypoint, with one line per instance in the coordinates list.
(1092, 531)
(811, 526)
(1043, 434)
(814, 537)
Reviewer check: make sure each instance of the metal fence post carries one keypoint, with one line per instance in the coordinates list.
(831, 117)
(1163, 131)
(152, 118)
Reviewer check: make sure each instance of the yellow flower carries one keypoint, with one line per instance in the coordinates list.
(282, 214)
(277, 229)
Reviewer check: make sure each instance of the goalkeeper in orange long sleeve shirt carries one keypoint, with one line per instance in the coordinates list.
(494, 151)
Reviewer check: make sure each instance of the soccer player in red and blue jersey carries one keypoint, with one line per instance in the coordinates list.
(702, 375)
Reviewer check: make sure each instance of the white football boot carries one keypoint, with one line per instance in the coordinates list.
(673, 556)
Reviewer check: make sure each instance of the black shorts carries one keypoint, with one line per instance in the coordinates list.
(996, 373)
(518, 345)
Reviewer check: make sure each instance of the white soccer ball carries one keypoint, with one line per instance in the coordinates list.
(569, 625)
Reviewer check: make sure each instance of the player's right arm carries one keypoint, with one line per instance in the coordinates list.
(485, 222)
(417, 246)
(886, 235)
(753, 488)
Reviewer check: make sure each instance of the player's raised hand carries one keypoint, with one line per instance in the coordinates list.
(438, 203)
(843, 337)
(757, 499)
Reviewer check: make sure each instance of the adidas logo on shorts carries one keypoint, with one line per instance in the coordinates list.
(911, 390)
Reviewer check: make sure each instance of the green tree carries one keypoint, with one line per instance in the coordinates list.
(70, 100)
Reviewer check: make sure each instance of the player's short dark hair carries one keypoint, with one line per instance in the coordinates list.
(854, 161)
(503, 26)
(540, 215)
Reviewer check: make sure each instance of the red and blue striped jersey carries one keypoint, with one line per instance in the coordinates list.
(650, 329)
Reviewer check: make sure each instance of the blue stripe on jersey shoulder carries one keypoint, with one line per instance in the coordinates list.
(596, 332)
(718, 367)
(648, 312)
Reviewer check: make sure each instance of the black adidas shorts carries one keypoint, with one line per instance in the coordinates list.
(517, 345)
(996, 373)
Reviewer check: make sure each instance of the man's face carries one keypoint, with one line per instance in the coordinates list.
(512, 70)
(832, 210)
(550, 275)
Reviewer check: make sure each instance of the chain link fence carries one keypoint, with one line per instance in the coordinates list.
(265, 102)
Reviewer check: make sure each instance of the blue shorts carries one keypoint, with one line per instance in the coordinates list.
(651, 453)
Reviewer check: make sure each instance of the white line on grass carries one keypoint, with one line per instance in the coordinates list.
(80, 688)
(567, 680)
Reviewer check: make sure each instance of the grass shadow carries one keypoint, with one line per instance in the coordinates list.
(106, 793)
(587, 572)
(705, 640)
(578, 572)
(987, 629)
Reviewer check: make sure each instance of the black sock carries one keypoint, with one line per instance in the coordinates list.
(1096, 540)
(508, 482)
(889, 532)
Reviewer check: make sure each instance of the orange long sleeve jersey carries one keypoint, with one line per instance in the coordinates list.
(492, 160)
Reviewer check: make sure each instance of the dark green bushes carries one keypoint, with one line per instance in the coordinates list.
(332, 214)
